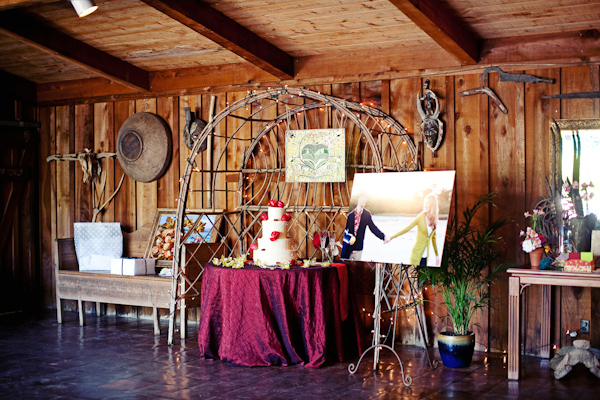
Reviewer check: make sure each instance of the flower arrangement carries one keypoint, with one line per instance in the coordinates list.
(230, 262)
(533, 240)
(573, 195)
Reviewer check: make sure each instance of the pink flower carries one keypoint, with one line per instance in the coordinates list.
(575, 185)
(274, 236)
(253, 246)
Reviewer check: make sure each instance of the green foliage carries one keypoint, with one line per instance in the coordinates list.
(463, 278)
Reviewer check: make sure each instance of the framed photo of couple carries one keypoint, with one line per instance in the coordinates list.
(398, 218)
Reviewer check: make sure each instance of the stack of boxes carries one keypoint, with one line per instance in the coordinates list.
(580, 262)
(132, 266)
(585, 261)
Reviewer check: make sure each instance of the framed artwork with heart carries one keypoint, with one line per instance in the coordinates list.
(315, 155)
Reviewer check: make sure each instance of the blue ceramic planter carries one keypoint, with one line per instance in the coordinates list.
(456, 350)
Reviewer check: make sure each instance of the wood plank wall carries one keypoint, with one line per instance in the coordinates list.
(490, 151)
(20, 287)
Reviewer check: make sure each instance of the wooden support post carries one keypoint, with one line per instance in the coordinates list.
(182, 317)
(514, 310)
(209, 150)
(545, 321)
(156, 320)
(80, 308)
(58, 310)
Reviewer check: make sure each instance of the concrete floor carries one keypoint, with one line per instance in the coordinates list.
(120, 358)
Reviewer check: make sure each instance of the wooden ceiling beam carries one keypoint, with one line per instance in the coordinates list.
(517, 54)
(577, 47)
(19, 26)
(219, 28)
(440, 24)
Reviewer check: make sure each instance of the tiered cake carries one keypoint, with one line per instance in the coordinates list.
(274, 246)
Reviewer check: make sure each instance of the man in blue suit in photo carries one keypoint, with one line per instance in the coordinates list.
(354, 234)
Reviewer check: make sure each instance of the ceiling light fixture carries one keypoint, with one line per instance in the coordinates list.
(83, 7)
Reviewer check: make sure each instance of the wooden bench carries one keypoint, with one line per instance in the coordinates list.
(143, 290)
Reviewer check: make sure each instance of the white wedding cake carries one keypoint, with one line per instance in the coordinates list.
(274, 246)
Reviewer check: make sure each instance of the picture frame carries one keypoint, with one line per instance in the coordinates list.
(162, 237)
(395, 204)
(315, 155)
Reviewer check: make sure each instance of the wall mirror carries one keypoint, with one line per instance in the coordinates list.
(575, 152)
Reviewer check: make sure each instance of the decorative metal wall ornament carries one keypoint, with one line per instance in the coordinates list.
(192, 130)
(432, 128)
(489, 92)
(506, 76)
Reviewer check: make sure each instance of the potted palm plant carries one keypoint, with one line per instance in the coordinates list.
(463, 279)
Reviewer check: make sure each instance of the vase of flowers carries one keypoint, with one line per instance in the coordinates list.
(533, 242)
(577, 221)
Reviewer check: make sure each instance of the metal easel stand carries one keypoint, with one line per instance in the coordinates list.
(396, 277)
(380, 270)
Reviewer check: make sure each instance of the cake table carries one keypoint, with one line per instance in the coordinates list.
(259, 317)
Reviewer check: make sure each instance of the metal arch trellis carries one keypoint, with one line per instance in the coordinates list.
(375, 142)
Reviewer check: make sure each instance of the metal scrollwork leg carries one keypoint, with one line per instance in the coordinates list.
(407, 380)
(377, 346)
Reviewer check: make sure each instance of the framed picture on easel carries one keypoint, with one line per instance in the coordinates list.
(199, 227)
(398, 218)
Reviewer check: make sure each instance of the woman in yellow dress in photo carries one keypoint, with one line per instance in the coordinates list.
(426, 223)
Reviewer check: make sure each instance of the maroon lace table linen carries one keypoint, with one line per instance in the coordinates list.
(261, 317)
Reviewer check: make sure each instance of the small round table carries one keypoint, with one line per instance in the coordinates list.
(259, 317)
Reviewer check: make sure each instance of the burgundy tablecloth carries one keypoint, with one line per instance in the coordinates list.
(260, 317)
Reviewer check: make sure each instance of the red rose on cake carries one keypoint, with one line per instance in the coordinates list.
(286, 217)
(280, 204)
(272, 203)
(254, 246)
(264, 217)
(274, 236)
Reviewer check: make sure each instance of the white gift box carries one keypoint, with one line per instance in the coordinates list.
(99, 263)
(132, 266)
(150, 264)
(96, 244)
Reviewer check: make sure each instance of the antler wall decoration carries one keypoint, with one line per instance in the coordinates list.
(92, 171)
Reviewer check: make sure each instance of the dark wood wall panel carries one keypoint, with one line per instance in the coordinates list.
(125, 200)
(490, 151)
(507, 178)
(47, 204)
